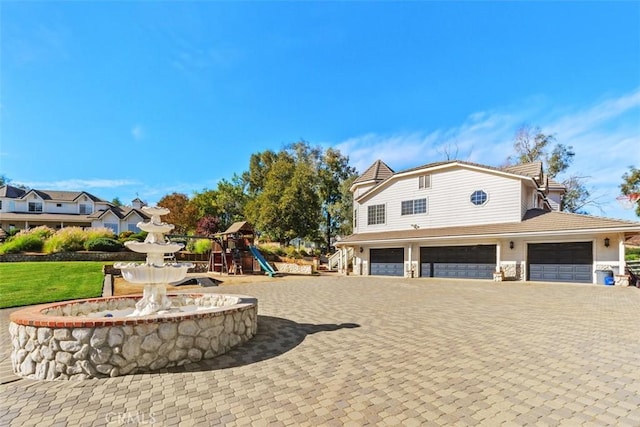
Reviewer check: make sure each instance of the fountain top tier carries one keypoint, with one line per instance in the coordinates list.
(154, 244)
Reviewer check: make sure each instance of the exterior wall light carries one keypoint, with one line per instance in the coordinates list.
(511, 245)
(606, 242)
(361, 249)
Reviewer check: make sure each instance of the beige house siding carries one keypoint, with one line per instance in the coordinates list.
(445, 207)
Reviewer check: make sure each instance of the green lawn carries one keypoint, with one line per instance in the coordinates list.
(26, 283)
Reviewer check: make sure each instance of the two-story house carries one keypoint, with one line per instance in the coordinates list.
(464, 220)
(23, 209)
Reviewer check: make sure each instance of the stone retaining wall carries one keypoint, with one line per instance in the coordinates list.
(96, 256)
(49, 344)
(74, 256)
(285, 267)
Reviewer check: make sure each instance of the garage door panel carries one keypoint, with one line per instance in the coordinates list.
(463, 270)
(560, 273)
(387, 262)
(469, 262)
(561, 262)
(386, 269)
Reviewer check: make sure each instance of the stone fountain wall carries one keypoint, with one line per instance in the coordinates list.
(49, 344)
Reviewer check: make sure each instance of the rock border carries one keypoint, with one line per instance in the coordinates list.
(58, 341)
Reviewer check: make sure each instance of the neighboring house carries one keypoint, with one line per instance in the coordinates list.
(24, 209)
(465, 220)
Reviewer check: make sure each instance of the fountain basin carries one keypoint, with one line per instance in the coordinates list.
(69, 341)
(150, 273)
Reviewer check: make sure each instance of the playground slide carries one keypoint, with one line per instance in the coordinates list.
(263, 262)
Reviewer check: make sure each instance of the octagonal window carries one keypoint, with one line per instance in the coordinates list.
(479, 198)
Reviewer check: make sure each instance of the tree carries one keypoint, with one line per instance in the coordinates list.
(208, 226)
(333, 172)
(183, 214)
(227, 201)
(631, 185)
(116, 201)
(342, 210)
(231, 200)
(532, 145)
(288, 205)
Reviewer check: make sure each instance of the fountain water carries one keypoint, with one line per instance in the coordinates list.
(122, 335)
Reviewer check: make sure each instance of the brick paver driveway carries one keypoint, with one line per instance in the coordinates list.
(356, 351)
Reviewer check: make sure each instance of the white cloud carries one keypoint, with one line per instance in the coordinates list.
(79, 184)
(605, 137)
(138, 132)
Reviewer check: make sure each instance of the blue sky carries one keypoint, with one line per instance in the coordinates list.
(144, 98)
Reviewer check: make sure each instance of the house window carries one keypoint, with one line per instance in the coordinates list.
(479, 198)
(0, 204)
(424, 181)
(355, 218)
(111, 226)
(412, 207)
(132, 227)
(376, 214)
(35, 206)
(85, 209)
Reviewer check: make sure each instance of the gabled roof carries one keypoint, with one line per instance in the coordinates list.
(11, 192)
(555, 185)
(378, 172)
(120, 211)
(444, 164)
(532, 169)
(535, 222)
(62, 196)
(239, 226)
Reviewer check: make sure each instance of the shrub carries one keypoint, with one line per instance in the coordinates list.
(96, 233)
(22, 243)
(291, 252)
(139, 236)
(125, 235)
(66, 240)
(103, 244)
(201, 246)
(42, 232)
(632, 254)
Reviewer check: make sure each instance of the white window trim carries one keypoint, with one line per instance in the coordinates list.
(384, 205)
(424, 181)
(480, 205)
(413, 206)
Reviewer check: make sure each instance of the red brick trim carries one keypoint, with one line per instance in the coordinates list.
(34, 316)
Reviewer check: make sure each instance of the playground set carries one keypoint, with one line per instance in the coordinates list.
(233, 252)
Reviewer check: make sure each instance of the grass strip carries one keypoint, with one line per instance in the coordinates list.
(27, 283)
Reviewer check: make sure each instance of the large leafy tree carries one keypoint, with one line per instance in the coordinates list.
(183, 214)
(531, 145)
(287, 205)
(298, 192)
(631, 185)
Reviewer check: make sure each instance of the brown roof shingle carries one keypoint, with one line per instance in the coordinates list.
(535, 221)
(379, 171)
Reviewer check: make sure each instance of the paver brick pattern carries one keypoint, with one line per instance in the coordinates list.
(381, 351)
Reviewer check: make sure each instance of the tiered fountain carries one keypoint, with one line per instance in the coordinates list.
(155, 273)
(122, 335)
